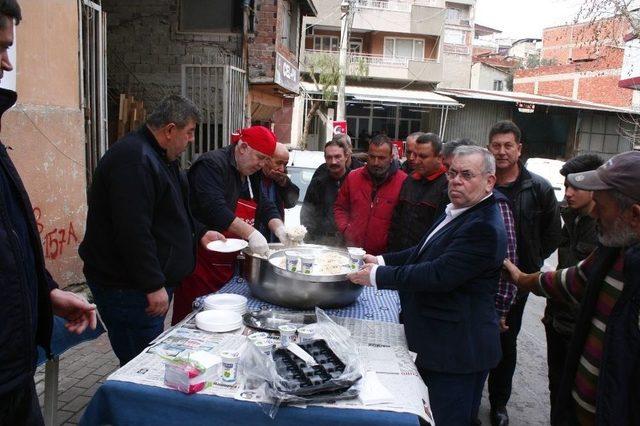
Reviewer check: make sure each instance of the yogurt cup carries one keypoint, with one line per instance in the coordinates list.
(229, 370)
(293, 258)
(255, 337)
(306, 263)
(264, 346)
(356, 254)
(287, 334)
(305, 334)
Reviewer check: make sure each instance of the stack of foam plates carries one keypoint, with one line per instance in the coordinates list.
(226, 302)
(218, 321)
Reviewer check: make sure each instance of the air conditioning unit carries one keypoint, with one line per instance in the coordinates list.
(465, 22)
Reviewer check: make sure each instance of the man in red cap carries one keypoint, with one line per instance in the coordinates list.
(226, 198)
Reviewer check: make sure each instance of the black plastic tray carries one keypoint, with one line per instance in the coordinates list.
(302, 379)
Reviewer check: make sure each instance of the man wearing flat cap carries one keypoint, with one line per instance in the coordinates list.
(226, 197)
(601, 382)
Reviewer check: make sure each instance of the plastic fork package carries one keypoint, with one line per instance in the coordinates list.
(190, 373)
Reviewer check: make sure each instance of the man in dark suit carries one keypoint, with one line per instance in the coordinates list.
(447, 285)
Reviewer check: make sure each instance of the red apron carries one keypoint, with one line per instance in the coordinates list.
(213, 269)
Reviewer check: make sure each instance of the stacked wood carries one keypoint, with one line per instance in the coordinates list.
(131, 114)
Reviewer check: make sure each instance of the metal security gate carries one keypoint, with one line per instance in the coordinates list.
(219, 90)
(93, 89)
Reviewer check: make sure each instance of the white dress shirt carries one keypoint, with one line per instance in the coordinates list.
(450, 214)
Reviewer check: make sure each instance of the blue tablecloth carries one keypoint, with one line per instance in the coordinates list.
(61, 339)
(123, 403)
(374, 305)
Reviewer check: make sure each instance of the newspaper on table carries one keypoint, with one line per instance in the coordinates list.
(148, 367)
(381, 345)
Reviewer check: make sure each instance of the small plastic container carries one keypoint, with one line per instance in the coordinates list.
(229, 370)
(264, 346)
(356, 254)
(293, 258)
(256, 337)
(305, 334)
(287, 334)
(306, 263)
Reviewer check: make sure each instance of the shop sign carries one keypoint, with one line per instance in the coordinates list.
(286, 74)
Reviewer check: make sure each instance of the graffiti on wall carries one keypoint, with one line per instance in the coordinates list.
(54, 240)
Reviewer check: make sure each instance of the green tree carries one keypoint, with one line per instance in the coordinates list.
(324, 71)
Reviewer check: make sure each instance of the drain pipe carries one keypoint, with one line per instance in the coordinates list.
(246, 4)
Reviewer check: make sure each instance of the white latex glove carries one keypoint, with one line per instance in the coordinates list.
(258, 243)
(281, 234)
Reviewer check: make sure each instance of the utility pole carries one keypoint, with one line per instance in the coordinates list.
(348, 10)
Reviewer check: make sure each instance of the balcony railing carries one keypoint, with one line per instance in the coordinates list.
(371, 59)
(458, 49)
(397, 5)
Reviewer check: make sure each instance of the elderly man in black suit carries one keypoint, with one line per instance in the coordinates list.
(447, 285)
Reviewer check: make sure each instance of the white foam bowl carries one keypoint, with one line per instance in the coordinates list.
(218, 321)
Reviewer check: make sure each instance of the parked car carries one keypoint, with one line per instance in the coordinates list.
(301, 166)
(550, 170)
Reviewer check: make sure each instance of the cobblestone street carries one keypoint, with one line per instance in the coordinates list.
(82, 370)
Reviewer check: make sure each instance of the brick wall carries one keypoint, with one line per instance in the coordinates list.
(146, 50)
(523, 87)
(560, 87)
(267, 40)
(597, 80)
(605, 90)
(611, 58)
(262, 51)
(582, 41)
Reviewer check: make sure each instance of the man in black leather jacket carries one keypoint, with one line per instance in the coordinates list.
(141, 237)
(537, 221)
(28, 293)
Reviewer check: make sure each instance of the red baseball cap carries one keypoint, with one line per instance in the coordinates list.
(257, 137)
(620, 172)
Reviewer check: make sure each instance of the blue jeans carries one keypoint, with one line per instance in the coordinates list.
(455, 398)
(123, 312)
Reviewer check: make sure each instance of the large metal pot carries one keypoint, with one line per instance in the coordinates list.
(294, 290)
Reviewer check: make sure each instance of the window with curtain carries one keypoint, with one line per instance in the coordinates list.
(404, 48)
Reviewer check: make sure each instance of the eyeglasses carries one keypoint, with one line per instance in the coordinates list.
(465, 175)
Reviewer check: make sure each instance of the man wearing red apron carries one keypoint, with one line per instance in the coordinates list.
(226, 198)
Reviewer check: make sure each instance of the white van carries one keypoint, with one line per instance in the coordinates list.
(300, 168)
(550, 170)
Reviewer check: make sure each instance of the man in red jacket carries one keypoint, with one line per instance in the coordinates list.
(366, 200)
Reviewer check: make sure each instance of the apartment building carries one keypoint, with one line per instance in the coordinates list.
(407, 47)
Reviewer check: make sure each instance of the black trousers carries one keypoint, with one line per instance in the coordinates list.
(454, 398)
(501, 377)
(557, 348)
(21, 407)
